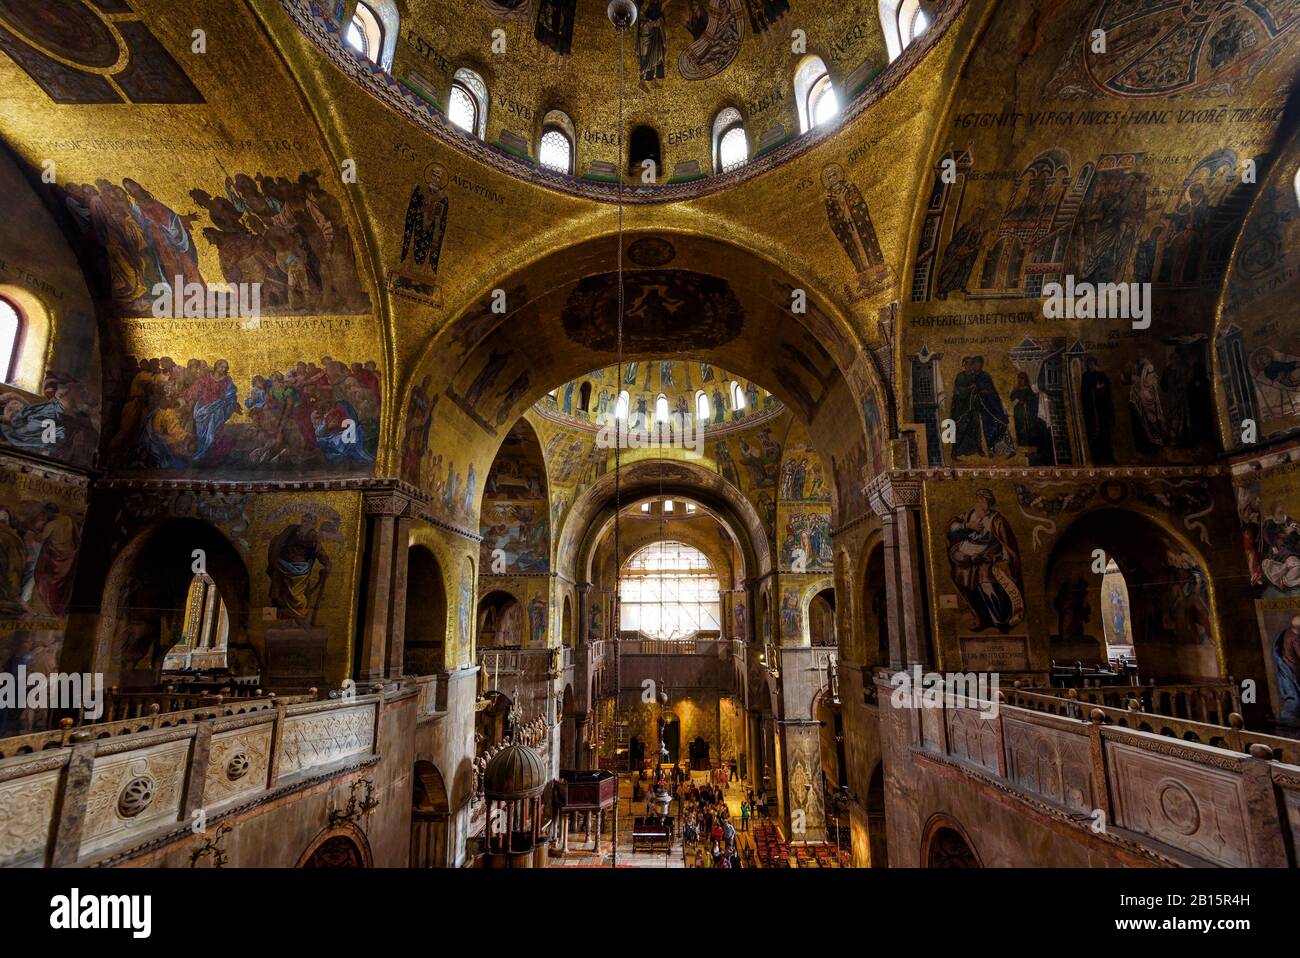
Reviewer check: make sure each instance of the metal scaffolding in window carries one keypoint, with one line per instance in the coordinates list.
(669, 590)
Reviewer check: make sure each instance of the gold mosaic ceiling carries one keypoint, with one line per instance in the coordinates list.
(684, 62)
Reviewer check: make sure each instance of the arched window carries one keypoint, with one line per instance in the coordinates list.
(584, 397)
(621, 407)
(668, 590)
(467, 102)
(661, 408)
(643, 145)
(702, 411)
(555, 151)
(11, 336)
(1297, 187)
(737, 396)
(373, 31)
(902, 21)
(814, 94)
(730, 145)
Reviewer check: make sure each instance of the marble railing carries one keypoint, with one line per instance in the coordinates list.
(1171, 800)
(1211, 704)
(672, 646)
(1232, 735)
(155, 716)
(91, 798)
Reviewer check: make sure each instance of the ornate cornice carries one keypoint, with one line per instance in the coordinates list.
(44, 469)
(896, 488)
(367, 484)
(1259, 463)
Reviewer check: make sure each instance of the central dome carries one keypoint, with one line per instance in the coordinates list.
(714, 91)
(690, 391)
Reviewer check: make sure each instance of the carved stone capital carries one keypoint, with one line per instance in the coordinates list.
(890, 491)
(388, 503)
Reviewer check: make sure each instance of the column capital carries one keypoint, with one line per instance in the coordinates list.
(389, 502)
(890, 491)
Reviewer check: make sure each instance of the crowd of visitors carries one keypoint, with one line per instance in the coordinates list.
(707, 826)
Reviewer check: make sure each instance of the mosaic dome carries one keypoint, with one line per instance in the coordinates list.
(704, 393)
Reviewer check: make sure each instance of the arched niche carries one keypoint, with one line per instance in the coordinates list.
(819, 614)
(429, 817)
(341, 846)
(874, 620)
(502, 622)
(946, 845)
(1174, 635)
(425, 629)
(145, 597)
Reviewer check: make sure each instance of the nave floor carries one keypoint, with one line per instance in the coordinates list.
(581, 855)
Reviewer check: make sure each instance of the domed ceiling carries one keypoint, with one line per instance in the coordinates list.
(589, 401)
(683, 62)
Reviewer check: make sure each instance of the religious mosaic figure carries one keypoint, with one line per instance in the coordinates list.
(651, 45)
(415, 438)
(959, 257)
(190, 417)
(554, 28)
(291, 557)
(1286, 659)
(1098, 412)
(1275, 375)
(1106, 226)
(1145, 406)
(426, 222)
(790, 623)
(978, 413)
(537, 621)
(984, 560)
(1032, 429)
(764, 13)
(1279, 549)
(716, 36)
(851, 221)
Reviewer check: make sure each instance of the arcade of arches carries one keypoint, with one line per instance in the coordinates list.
(437, 474)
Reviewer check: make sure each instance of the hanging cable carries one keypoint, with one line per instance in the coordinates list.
(622, 13)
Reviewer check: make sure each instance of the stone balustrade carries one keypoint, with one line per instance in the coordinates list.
(1208, 703)
(154, 716)
(92, 793)
(1231, 735)
(1172, 800)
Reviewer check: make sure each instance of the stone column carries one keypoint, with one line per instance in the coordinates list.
(896, 499)
(374, 647)
(388, 535)
(397, 598)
